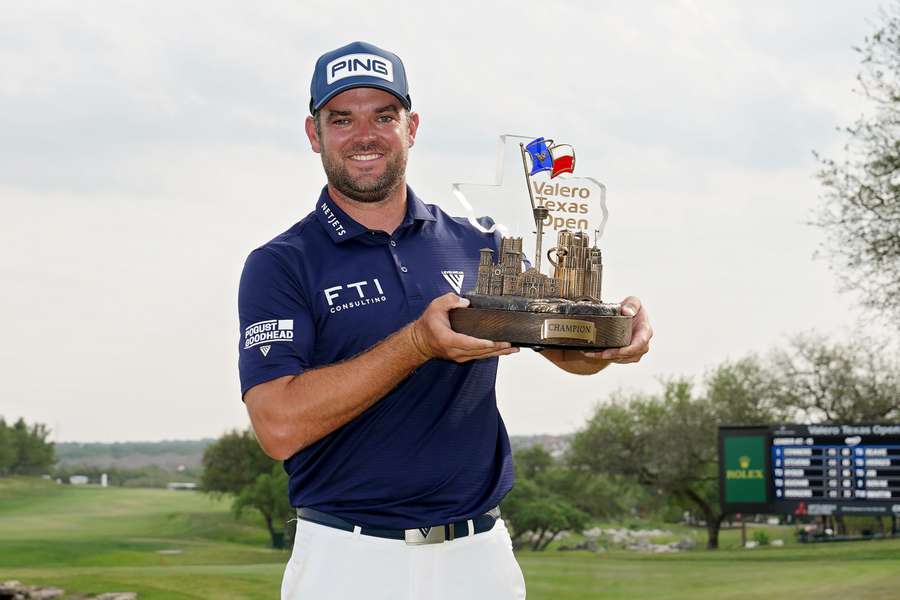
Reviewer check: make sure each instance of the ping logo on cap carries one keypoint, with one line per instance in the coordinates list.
(355, 65)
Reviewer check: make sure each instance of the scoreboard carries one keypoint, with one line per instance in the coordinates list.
(810, 469)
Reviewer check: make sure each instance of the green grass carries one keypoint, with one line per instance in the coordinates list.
(91, 540)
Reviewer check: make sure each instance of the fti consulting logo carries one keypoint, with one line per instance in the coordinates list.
(744, 458)
(267, 332)
(339, 297)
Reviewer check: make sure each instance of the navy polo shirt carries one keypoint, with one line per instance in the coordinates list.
(435, 448)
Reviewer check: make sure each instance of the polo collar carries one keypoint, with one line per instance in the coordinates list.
(416, 210)
(341, 227)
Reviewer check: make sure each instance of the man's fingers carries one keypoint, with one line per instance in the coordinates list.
(449, 301)
(483, 355)
(466, 343)
(639, 346)
(631, 306)
(640, 340)
(461, 347)
(610, 354)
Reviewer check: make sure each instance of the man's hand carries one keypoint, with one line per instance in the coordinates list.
(432, 336)
(641, 332)
(588, 363)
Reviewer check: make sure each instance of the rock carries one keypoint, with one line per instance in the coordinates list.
(750, 545)
(778, 542)
(589, 545)
(10, 590)
(47, 593)
(15, 590)
(685, 544)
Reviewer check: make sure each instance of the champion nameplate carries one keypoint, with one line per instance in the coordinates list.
(568, 329)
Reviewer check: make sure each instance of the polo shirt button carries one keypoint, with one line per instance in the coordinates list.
(393, 243)
(404, 269)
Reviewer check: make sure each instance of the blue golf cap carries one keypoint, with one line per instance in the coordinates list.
(357, 64)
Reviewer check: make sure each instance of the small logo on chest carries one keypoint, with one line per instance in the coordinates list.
(455, 279)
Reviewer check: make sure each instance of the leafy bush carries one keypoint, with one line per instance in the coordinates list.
(761, 537)
(24, 450)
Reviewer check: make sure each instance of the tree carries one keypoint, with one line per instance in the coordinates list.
(235, 464)
(532, 461)
(7, 449)
(34, 453)
(533, 509)
(743, 392)
(598, 495)
(668, 442)
(268, 495)
(24, 449)
(837, 382)
(861, 209)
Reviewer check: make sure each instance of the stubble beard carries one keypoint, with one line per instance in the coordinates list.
(358, 190)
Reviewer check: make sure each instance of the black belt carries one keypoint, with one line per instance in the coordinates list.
(419, 535)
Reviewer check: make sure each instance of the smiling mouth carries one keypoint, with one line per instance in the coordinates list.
(365, 157)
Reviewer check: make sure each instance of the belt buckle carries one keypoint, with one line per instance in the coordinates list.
(425, 535)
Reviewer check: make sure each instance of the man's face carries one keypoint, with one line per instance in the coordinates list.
(364, 138)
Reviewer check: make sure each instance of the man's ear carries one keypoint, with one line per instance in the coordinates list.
(413, 125)
(312, 135)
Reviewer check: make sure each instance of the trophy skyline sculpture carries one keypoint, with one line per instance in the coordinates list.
(514, 301)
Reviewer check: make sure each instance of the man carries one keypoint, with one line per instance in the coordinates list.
(386, 418)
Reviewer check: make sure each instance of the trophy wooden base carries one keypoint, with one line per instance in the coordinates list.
(543, 329)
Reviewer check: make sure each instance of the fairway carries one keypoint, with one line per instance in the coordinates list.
(91, 540)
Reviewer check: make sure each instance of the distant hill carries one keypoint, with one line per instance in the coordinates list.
(171, 454)
(556, 445)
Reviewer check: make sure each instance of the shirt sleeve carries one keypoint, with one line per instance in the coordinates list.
(276, 328)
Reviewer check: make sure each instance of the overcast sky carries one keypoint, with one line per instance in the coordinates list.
(146, 148)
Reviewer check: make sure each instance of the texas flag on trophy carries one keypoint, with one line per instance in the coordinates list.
(546, 156)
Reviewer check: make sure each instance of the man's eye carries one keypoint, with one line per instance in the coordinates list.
(385, 119)
(341, 122)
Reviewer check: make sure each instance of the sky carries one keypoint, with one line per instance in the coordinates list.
(147, 148)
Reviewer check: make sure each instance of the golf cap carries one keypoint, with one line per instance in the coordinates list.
(357, 64)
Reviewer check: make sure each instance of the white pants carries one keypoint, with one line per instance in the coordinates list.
(329, 563)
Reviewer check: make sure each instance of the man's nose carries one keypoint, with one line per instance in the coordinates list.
(365, 130)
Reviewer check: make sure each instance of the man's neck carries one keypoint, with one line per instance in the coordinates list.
(383, 215)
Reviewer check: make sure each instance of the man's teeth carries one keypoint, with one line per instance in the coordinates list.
(364, 156)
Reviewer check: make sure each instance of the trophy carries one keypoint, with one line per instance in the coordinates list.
(513, 300)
